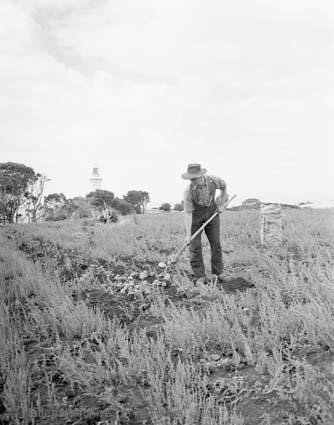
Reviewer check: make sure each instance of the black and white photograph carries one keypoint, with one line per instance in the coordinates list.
(166, 212)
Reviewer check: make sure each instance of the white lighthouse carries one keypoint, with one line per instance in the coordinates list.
(95, 180)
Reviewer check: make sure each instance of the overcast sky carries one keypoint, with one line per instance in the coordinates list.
(245, 87)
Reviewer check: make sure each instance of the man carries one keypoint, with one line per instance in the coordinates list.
(199, 205)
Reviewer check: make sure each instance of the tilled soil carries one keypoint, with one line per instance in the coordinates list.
(122, 292)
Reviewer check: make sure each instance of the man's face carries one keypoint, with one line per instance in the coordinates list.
(196, 181)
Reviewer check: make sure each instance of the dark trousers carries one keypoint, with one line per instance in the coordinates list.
(212, 231)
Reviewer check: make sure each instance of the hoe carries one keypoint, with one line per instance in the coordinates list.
(175, 258)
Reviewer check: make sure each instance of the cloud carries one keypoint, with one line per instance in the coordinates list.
(145, 87)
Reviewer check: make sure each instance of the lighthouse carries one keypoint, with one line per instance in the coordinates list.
(95, 179)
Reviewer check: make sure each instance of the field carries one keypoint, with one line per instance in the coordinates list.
(93, 331)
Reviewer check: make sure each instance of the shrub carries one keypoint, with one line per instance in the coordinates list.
(165, 207)
(123, 206)
(178, 207)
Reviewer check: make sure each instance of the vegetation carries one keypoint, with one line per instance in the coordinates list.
(179, 207)
(80, 207)
(139, 199)
(165, 207)
(54, 205)
(101, 199)
(123, 206)
(254, 203)
(34, 199)
(94, 330)
(15, 181)
(22, 194)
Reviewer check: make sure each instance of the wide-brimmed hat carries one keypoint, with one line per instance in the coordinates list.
(193, 172)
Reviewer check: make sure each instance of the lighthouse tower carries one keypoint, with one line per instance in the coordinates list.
(95, 179)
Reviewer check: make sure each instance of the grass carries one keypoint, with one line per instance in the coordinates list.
(86, 338)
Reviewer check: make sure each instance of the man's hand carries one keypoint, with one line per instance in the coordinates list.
(221, 208)
(187, 240)
(220, 203)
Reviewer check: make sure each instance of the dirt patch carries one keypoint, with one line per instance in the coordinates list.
(237, 284)
(123, 290)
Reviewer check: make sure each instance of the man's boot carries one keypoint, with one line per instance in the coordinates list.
(224, 279)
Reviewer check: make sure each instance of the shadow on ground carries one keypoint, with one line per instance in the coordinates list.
(236, 284)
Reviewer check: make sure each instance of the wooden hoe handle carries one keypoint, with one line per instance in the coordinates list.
(200, 229)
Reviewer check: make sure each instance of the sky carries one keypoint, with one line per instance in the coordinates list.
(142, 88)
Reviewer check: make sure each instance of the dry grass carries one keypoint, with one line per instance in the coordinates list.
(177, 355)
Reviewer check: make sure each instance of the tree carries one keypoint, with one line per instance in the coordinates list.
(101, 199)
(35, 197)
(123, 206)
(165, 207)
(54, 200)
(53, 205)
(14, 182)
(68, 209)
(81, 207)
(178, 207)
(57, 207)
(138, 198)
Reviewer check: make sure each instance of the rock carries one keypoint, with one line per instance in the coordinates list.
(143, 275)
(162, 265)
(215, 357)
